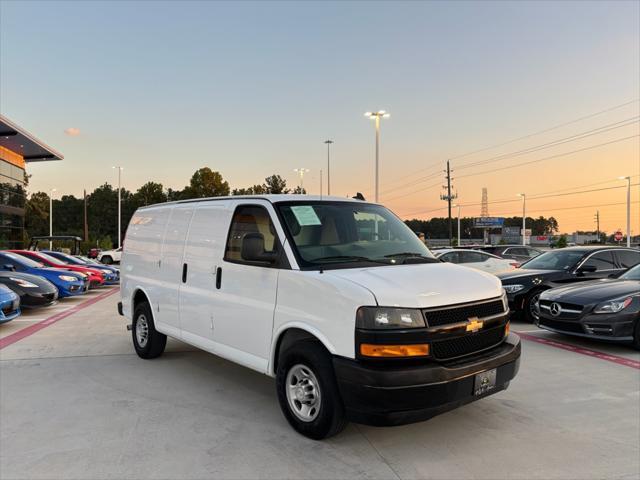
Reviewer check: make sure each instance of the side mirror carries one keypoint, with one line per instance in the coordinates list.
(9, 266)
(253, 249)
(587, 269)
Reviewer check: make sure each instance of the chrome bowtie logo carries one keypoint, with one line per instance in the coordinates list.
(474, 324)
(555, 309)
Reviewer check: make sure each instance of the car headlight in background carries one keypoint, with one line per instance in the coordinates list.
(613, 306)
(23, 283)
(68, 278)
(381, 318)
(513, 288)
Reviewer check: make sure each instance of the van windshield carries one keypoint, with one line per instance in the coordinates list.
(343, 234)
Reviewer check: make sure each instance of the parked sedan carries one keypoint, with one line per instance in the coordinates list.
(110, 256)
(520, 253)
(34, 291)
(68, 283)
(9, 304)
(603, 309)
(111, 274)
(96, 277)
(559, 267)
(476, 259)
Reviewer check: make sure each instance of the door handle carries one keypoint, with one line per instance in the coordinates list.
(184, 273)
(218, 277)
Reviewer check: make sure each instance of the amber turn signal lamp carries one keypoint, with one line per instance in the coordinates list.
(417, 350)
(507, 327)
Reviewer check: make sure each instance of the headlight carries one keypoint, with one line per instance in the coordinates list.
(513, 288)
(68, 278)
(23, 283)
(381, 318)
(613, 306)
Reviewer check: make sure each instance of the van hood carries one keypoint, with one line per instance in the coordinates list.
(423, 285)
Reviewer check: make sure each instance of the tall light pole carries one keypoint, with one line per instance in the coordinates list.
(328, 142)
(628, 179)
(524, 217)
(51, 217)
(377, 116)
(301, 172)
(119, 204)
(458, 205)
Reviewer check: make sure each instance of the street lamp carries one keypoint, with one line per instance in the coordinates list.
(628, 179)
(458, 205)
(524, 218)
(301, 172)
(377, 116)
(119, 204)
(328, 142)
(51, 217)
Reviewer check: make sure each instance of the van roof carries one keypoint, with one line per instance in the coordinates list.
(273, 198)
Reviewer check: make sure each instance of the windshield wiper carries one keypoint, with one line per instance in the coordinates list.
(348, 258)
(408, 255)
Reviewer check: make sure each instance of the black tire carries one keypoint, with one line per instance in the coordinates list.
(107, 260)
(636, 336)
(155, 341)
(330, 417)
(528, 306)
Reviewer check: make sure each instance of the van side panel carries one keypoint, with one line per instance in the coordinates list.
(203, 254)
(325, 309)
(141, 256)
(167, 315)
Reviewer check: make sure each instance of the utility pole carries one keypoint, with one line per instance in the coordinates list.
(328, 142)
(86, 224)
(320, 184)
(449, 197)
(597, 219)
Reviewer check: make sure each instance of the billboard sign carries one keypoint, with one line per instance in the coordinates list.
(488, 222)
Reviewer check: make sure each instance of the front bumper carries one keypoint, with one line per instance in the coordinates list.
(37, 299)
(617, 327)
(396, 395)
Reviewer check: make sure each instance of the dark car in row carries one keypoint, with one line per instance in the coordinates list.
(606, 309)
(560, 267)
(520, 253)
(33, 290)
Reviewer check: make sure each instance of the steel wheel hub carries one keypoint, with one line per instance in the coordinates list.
(142, 331)
(303, 393)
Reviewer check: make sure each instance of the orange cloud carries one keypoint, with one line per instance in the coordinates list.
(72, 131)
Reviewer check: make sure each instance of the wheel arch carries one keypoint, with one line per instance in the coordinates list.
(138, 296)
(287, 335)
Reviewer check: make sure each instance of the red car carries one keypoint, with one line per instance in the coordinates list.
(96, 278)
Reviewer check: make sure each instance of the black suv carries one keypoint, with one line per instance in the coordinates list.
(559, 267)
(521, 253)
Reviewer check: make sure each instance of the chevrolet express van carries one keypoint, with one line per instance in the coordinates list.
(336, 298)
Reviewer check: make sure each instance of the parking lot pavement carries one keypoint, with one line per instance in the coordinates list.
(76, 402)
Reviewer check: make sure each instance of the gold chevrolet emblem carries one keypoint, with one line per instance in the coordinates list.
(474, 324)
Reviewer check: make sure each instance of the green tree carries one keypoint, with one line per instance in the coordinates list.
(206, 183)
(275, 184)
(299, 191)
(562, 242)
(149, 193)
(36, 218)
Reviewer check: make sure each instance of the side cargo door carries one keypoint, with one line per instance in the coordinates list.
(171, 269)
(199, 293)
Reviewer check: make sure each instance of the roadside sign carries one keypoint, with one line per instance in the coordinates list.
(525, 232)
(488, 222)
(617, 236)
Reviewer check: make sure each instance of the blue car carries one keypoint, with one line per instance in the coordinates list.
(68, 283)
(111, 274)
(9, 304)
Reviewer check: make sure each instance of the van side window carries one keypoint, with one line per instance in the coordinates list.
(249, 219)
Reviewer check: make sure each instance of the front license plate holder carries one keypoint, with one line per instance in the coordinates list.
(484, 382)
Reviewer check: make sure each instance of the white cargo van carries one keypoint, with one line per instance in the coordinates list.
(336, 298)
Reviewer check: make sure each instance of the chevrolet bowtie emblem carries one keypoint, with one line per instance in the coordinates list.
(474, 324)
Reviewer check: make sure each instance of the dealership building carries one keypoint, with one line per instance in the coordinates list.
(17, 148)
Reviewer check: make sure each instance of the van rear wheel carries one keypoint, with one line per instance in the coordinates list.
(307, 391)
(147, 341)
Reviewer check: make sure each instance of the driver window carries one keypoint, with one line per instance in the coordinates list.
(602, 261)
(249, 219)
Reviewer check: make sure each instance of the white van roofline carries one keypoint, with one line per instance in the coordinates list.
(272, 198)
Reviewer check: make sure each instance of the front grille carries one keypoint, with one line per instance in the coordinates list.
(565, 306)
(559, 325)
(457, 347)
(445, 316)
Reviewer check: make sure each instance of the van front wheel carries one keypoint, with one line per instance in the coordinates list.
(307, 391)
(147, 341)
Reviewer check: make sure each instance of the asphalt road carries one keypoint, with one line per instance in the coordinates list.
(77, 403)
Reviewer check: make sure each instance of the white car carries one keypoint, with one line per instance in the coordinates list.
(336, 298)
(110, 256)
(476, 259)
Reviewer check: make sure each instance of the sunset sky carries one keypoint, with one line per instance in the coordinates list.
(252, 89)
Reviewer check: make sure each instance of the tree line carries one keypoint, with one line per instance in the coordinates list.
(438, 227)
(102, 205)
